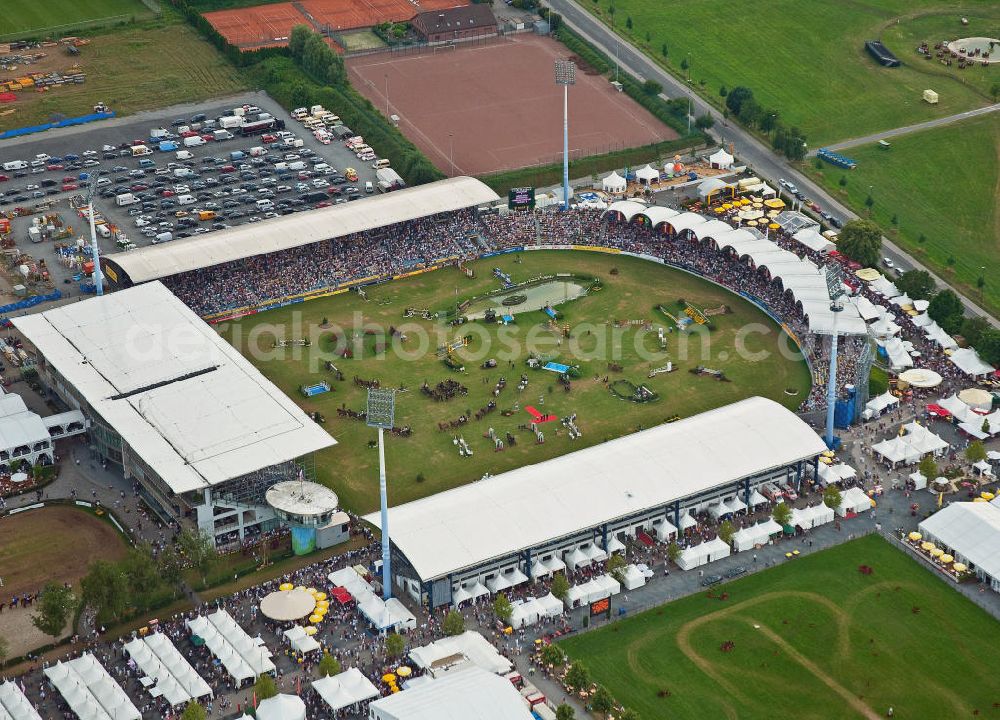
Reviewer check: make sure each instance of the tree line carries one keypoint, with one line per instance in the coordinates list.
(741, 104)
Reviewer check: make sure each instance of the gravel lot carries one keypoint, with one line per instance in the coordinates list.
(207, 187)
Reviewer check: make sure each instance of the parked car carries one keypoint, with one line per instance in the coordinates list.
(710, 580)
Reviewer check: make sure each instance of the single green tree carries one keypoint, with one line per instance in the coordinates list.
(628, 22)
(673, 551)
(843, 181)
(947, 310)
(922, 239)
(194, 711)
(651, 87)
(704, 122)
(265, 687)
(928, 467)
(55, 608)
(980, 284)
(615, 567)
(199, 549)
(951, 261)
(726, 531)
(723, 91)
(976, 452)
(995, 91)
(553, 655)
(986, 426)
(736, 97)
(663, 50)
(861, 240)
(917, 284)
(602, 701)
(577, 677)
(502, 608)
(565, 712)
(649, 36)
(454, 623)
(832, 497)
(782, 514)
(894, 219)
(330, 666)
(560, 586)
(685, 65)
(869, 201)
(106, 590)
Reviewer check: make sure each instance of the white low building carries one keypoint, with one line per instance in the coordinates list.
(471, 694)
(970, 532)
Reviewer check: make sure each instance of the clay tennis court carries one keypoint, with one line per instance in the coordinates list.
(263, 25)
(496, 106)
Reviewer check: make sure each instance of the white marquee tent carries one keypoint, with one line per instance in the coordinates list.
(664, 530)
(879, 404)
(968, 361)
(242, 656)
(551, 605)
(346, 689)
(867, 309)
(854, 500)
(721, 159)
(282, 707)
(703, 553)
(836, 473)
(813, 239)
(971, 531)
(14, 705)
(647, 174)
(175, 679)
(299, 641)
(614, 183)
(821, 514)
(525, 612)
(633, 578)
(896, 450)
(470, 644)
(759, 534)
(90, 691)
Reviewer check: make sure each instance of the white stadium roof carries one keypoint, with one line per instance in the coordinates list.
(194, 409)
(291, 231)
(471, 694)
(532, 505)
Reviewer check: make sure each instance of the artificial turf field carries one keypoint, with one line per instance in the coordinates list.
(27, 16)
(807, 60)
(942, 184)
(428, 461)
(814, 638)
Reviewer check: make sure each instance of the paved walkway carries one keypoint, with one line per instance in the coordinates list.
(907, 129)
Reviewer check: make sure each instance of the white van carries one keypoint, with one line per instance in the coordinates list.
(15, 165)
(257, 151)
(163, 237)
(194, 141)
(369, 188)
(381, 164)
(186, 199)
(265, 205)
(184, 155)
(297, 165)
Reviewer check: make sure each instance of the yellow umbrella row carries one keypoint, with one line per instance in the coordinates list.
(937, 552)
(315, 619)
(928, 546)
(959, 567)
(914, 536)
(946, 558)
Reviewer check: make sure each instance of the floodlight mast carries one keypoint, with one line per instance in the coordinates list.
(95, 251)
(835, 287)
(380, 414)
(565, 76)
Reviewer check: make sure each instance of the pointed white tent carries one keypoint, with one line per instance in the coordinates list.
(614, 183)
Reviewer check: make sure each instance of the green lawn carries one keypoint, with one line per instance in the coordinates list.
(352, 470)
(139, 67)
(31, 15)
(807, 60)
(812, 639)
(942, 184)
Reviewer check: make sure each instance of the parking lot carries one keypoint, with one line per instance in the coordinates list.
(176, 193)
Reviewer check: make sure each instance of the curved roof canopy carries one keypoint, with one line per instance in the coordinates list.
(292, 231)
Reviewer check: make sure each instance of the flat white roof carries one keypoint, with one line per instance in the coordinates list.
(536, 504)
(180, 396)
(972, 529)
(291, 231)
(18, 425)
(471, 694)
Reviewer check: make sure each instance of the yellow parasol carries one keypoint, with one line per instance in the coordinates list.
(828, 453)
(868, 274)
(301, 588)
(986, 495)
(774, 226)
(914, 536)
(752, 223)
(826, 460)
(325, 604)
(388, 678)
(775, 203)
(946, 558)
(937, 552)
(284, 587)
(959, 567)
(311, 630)
(979, 499)
(403, 671)
(719, 210)
(928, 546)
(320, 611)
(320, 596)
(312, 591)
(315, 619)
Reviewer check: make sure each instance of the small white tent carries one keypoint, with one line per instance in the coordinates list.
(853, 501)
(282, 707)
(721, 159)
(647, 175)
(614, 183)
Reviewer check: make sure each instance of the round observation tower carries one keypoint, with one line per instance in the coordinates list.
(307, 508)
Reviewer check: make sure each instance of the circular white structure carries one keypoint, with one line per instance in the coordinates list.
(977, 399)
(921, 378)
(303, 503)
(967, 47)
(287, 605)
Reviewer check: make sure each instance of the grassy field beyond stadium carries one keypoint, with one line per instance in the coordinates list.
(429, 462)
(807, 60)
(941, 184)
(27, 16)
(814, 638)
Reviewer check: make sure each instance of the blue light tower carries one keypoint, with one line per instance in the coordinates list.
(835, 286)
(565, 76)
(380, 414)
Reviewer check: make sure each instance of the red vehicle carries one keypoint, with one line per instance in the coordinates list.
(208, 137)
(323, 204)
(69, 179)
(70, 186)
(55, 166)
(4, 178)
(168, 193)
(139, 187)
(268, 138)
(137, 142)
(788, 492)
(814, 207)
(227, 169)
(188, 133)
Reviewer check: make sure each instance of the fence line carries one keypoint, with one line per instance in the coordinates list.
(63, 30)
(423, 48)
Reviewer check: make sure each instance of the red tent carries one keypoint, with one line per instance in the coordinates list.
(341, 595)
(7, 97)
(935, 409)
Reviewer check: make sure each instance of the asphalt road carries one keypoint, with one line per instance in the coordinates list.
(754, 153)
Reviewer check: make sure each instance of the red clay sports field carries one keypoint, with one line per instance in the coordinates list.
(496, 106)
